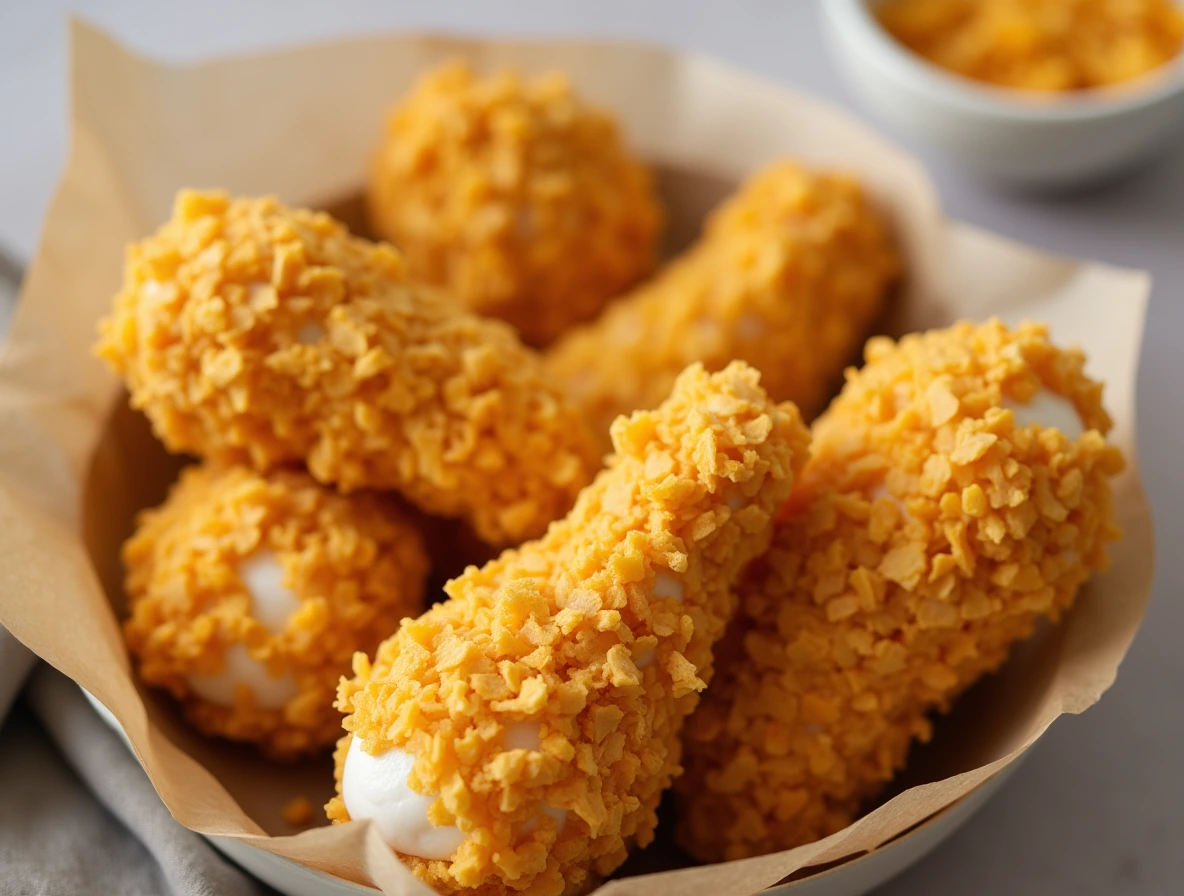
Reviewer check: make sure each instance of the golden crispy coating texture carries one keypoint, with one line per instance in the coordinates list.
(252, 333)
(788, 276)
(925, 537)
(355, 563)
(515, 197)
(1039, 44)
(601, 632)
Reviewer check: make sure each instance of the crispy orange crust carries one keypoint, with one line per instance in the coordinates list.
(1039, 44)
(553, 633)
(515, 197)
(356, 563)
(788, 276)
(926, 536)
(252, 333)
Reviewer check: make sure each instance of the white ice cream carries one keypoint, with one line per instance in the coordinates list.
(666, 585)
(271, 604)
(881, 491)
(560, 816)
(521, 736)
(1049, 410)
(270, 693)
(525, 736)
(376, 787)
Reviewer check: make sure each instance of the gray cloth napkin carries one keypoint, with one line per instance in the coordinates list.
(15, 662)
(79, 816)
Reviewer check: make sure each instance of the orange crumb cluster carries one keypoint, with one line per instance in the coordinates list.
(356, 565)
(927, 535)
(601, 633)
(518, 199)
(1049, 45)
(252, 333)
(788, 276)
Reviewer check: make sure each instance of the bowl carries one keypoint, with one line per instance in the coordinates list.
(854, 877)
(1023, 138)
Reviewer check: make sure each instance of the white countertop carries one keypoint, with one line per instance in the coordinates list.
(1098, 808)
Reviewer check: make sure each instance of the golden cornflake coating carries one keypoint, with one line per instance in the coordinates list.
(788, 276)
(346, 570)
(600, 633)
(927, 534)
(515, 197)
(252, 333)
(1039, 44)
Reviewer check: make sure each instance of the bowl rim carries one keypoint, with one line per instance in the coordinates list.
(853, 19)
(908, 848)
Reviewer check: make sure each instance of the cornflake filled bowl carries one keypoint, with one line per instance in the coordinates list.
(77, 464)
(1054, 140)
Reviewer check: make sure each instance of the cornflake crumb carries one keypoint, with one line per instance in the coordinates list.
(1049, 45)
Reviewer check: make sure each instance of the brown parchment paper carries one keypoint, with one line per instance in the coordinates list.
(76, 464)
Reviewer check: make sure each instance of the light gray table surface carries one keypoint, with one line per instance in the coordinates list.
(1098, 808)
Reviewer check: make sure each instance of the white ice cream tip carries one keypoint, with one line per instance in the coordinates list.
(241, 669)
(560, 816)
(666, 585)
(528, 736)
(375, 787)
(882, 491)
(521, 736)
(272, 603)
(1049, 410)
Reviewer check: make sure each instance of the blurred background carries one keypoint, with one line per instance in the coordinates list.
(1098, 807)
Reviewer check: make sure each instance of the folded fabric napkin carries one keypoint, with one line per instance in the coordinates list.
(83, 818)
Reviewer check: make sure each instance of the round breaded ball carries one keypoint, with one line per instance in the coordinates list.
(515, 197)
(249, 594)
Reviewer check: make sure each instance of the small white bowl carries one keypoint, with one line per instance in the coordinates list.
(1025, 138)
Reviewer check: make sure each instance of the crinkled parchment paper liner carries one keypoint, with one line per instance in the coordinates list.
(74, 466)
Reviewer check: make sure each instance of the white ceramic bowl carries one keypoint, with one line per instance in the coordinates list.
(1021, 137)
(853, 878)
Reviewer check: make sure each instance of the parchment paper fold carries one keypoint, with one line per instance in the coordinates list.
(75, 464)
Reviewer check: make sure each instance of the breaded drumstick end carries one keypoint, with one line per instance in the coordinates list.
(535, 717)
(958, 492)
(253, 333)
